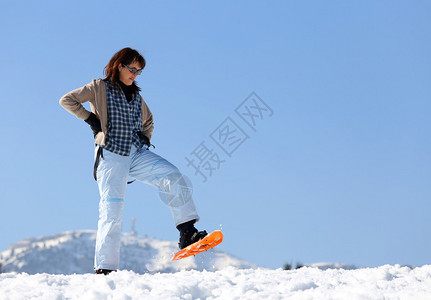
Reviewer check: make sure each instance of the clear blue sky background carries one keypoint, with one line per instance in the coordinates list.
(339, 172)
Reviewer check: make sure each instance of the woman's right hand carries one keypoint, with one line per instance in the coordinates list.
(94, 123)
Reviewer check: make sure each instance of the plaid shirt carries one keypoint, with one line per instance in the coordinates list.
(124, 120)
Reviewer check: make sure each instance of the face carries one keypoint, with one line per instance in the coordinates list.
(126, 76)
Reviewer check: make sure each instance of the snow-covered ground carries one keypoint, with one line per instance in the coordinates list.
(60, 267)
(386, 282)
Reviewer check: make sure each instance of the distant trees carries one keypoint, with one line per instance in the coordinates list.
(289, 266)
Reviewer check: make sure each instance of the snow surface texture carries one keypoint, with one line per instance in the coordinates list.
(148, 274)
(72, 252)
(386, 282)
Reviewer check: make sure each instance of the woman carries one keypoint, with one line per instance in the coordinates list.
(122, 125)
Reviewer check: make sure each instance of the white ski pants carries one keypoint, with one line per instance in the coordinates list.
(113, 172)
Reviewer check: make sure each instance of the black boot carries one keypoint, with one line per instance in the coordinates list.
(103, 271)
(189, 234)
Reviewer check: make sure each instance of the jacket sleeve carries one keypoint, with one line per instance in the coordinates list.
(147, 120)
(73, 100)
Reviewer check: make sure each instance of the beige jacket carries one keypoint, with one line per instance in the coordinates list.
(95, 93)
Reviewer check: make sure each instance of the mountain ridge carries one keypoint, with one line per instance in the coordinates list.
(72, 252)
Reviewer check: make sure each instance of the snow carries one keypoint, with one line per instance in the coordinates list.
(60, 267)
(385, 282)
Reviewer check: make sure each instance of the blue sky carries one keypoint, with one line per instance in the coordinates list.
(339, 172)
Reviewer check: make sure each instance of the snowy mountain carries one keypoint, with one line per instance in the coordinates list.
(73, 252)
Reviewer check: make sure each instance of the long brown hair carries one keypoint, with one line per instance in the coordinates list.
(125, 56)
